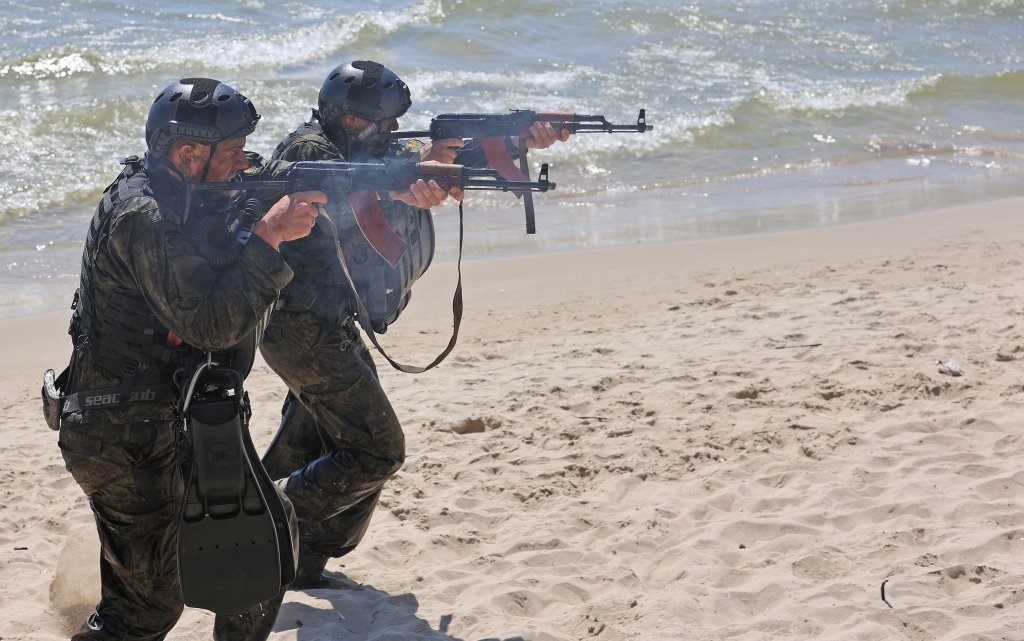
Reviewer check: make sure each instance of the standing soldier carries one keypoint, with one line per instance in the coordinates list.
(151, 300)
(343, 440)
(340, 439)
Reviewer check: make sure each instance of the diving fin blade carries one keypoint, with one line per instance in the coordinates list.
(229, 556)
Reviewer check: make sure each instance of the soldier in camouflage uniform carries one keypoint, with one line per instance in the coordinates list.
(150, 301)
(340, 439)
(343, 441)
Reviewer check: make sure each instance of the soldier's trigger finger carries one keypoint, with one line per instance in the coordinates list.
(550, 134)
(437, 193)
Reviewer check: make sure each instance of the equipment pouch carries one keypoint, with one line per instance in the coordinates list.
(52, 401)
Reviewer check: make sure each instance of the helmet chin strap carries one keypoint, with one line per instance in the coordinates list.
(206, 169)
(171, 167)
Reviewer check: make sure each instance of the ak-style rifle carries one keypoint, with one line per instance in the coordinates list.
(515, 123)
(494, 129)
(361, 182)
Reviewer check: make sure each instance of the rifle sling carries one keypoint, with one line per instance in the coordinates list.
(363, 317)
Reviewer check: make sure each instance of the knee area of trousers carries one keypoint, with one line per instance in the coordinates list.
(392, 459)
(397, 458)
(380, 466)
(395, 465)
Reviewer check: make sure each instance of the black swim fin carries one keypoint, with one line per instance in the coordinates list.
(236, 540)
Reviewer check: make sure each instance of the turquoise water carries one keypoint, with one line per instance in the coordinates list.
(768, 114)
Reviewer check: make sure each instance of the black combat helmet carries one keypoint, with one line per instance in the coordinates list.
(200, 109)
(365, 89)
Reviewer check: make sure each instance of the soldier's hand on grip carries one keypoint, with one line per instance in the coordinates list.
(442, 151)
(291, 217)
(424, 194)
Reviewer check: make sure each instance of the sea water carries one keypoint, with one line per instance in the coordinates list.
(767, 114)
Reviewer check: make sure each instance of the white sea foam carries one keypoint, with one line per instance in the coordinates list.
(284, 45)
(297, 45)
(50, 66)
(759, 104)
(799, 94)
(221, 17)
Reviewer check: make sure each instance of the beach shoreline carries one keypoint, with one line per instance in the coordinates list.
(447, 255)
(728, 438)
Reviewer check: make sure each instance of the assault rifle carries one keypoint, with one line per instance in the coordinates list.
(362, 181)
(515, 123)
(493, 129)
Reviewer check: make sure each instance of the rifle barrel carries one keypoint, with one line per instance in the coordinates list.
(594, 127)
(479, 182)
(474, 184)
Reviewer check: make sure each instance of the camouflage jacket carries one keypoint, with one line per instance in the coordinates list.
(319, 284)
(145, 272)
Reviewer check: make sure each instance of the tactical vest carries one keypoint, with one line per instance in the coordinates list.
(386, 291)
(319, 284)
(127, 340)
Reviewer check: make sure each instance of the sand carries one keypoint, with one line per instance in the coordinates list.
(735, 439)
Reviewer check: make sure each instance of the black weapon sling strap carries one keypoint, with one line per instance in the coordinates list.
(498, 152)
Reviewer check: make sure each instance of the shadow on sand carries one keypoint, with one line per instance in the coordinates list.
(362, 613)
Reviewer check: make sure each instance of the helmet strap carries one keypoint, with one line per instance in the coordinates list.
(185, 181)
(206, 169)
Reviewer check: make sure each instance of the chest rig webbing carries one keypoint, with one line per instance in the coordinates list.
(126, 340)
(321, 286)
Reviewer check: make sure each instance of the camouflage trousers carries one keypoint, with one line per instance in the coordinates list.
(130, 473)
(339, 439)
